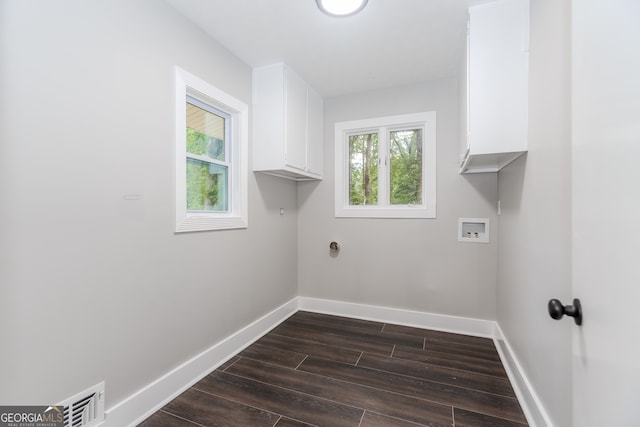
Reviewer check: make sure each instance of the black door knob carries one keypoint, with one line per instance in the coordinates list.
(557, 310)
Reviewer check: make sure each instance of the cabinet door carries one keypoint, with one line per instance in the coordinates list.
(314, 133)
(296, 121)
(498, 80)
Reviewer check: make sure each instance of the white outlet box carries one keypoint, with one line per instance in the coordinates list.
(473, 230)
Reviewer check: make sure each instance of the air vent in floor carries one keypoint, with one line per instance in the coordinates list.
(85, 409)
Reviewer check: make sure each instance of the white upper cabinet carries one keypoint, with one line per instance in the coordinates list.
(495, 90)
(287, 124)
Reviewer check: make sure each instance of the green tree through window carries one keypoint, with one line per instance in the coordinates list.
(207, 166)
(363, 169)
(405, 174)
(406, 167)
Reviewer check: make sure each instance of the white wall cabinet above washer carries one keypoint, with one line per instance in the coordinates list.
(287, 124)
(495, 90)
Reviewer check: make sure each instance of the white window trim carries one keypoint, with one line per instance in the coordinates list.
(237, 215)
(425, 120)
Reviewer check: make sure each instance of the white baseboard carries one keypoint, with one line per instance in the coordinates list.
(528, 398)
(155, 395)
(440, 322)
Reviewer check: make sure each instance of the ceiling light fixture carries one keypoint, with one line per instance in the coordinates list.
(341, 7)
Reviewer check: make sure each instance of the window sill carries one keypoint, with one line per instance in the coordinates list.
(209, 222)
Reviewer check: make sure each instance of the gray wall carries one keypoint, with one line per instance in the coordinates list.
(414, 264)
(534, 256)
(94, 287)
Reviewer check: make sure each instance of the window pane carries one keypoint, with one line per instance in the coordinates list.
(205, 133)
(406, 167)
(363, 169)
(206, 186)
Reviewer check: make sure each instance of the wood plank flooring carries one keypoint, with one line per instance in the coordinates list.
(321, 370)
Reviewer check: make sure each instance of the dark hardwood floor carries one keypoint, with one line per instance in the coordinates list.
(316, 369)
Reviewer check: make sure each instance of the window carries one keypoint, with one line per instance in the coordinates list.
(211, 156)
(386, 167)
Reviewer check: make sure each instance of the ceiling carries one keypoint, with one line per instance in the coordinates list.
(390, 43)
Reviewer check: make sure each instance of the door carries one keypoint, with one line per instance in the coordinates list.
(606, 211)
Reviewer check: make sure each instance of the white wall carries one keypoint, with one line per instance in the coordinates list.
(414, 264)
(94, 287)
(534, 243)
